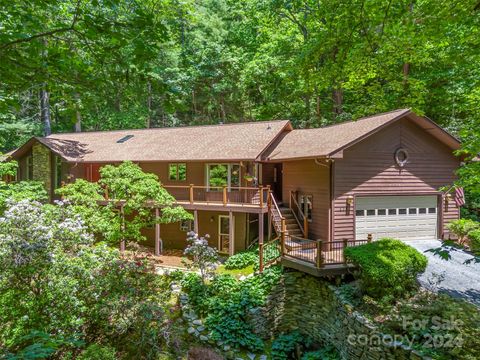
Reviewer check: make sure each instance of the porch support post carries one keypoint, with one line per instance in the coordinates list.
(122, 229)
(195, 221)
(158, 247)
(231, 235)
(269, 206)
(260, 239)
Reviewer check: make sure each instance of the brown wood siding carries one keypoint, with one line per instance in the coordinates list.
(306, 177)
(368, 168)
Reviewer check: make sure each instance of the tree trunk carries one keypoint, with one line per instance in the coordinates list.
(318, 109)
(337, 97)
(45, 117)
(149, 105)
(78, 115)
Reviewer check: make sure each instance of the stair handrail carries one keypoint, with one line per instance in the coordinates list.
(300, 225)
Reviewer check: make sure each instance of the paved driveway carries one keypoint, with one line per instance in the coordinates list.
(452, 276)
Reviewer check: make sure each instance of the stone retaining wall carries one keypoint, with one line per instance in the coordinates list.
(316, 309)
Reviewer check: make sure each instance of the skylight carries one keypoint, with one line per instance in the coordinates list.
(125, 138)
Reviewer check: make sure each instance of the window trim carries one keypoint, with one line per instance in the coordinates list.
(229, 175)
(177, 178)
(220, 217)
(186, 225)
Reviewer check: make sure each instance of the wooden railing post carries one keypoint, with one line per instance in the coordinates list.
(305, 226)
(260, 256)
(319, 254)
(283, 231)
(290, 199)
(260, 189)
(269, 198)
(191, 193)
(369, 238)
(224, 195)
(345, 244)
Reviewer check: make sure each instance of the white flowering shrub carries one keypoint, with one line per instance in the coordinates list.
(55, 280)
(203, 257)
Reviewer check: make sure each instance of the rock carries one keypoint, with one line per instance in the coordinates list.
(251, 356)
(197, 322)
(263, 357)
(203, 338)
(191, 330)
(226, 348)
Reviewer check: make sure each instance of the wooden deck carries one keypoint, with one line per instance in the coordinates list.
(326, 270)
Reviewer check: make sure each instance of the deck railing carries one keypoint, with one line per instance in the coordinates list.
(220, 195)
(317, 252)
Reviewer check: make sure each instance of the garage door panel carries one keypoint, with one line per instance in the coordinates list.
(402, 217)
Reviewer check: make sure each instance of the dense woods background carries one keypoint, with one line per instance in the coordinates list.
(97, 65)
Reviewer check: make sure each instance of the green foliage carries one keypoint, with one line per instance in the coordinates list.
(127, 182)
(388, 268)
(71, 286)
(224, 304)
(327, 353)
(23, 190)
(451, 322)
(98, 352)
(242, 260)
(284, 346)
(474, 237)
(462, 228)
(8, 168)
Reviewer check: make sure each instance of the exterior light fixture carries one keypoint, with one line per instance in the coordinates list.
(350, 200)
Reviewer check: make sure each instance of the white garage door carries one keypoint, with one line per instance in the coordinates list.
(400, 217)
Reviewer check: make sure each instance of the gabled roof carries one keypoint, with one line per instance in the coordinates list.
(327, 141)
(228, 142)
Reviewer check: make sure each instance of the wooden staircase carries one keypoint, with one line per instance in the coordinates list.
(293, 232)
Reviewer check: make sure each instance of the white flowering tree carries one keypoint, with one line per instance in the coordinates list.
(203, 257)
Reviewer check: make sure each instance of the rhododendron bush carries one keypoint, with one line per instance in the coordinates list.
(55, 281)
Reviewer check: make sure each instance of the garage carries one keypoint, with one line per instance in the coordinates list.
(400, 217)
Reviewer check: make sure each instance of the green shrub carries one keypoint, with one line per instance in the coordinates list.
(284, 345)
(224, 304)
(474, 237)
(462, 228)
(242, 260)
(98, 352)
(388, 267)
(327, 353)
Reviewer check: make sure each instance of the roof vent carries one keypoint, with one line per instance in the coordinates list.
(123, 139)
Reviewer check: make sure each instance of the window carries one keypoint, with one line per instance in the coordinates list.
(360, 213)
(177, 172)
(186, 225)
(402, 211)
(432, 210)
(382, 212)
(223, 234)
(306, 204)
(412, 211)
(29, 168)
(392, 211)
(220, 175)
(422, 210)
(370, 212)
(57, 163)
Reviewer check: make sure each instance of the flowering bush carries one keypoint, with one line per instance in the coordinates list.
(204, 258)
(55, 280)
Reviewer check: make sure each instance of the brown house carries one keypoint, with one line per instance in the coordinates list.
(379, 175)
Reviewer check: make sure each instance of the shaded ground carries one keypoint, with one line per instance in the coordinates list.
(453, 276)
(170, 258)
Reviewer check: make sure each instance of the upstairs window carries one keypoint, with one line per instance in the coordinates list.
(219, 175)
(177, 172)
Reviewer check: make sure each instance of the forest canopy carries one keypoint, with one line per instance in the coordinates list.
(99, 65)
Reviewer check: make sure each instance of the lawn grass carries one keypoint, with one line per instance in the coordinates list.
(236, 272)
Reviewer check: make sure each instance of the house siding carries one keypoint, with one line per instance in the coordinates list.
(369, 168)
(306, 177)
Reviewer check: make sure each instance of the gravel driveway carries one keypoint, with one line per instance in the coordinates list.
(453, 276)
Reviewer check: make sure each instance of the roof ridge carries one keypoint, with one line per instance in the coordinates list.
(52, 136)
(359, 119)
